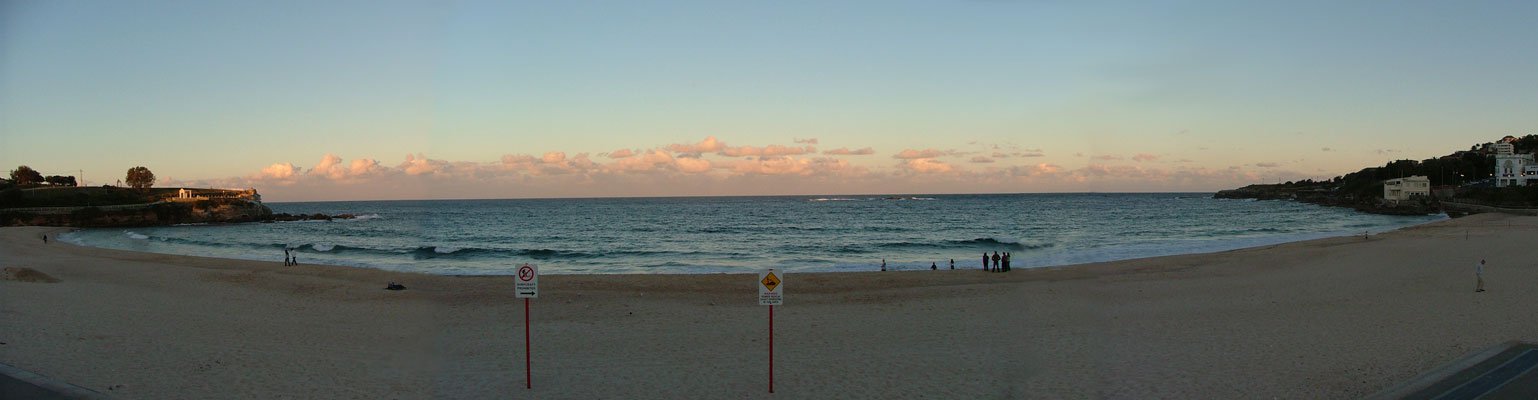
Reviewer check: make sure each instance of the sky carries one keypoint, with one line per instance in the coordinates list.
(365, 100)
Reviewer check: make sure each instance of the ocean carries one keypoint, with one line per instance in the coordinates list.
(745, 234)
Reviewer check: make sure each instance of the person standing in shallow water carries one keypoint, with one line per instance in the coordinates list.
(933, 267)
(883, 265)
(1006, 262)
(985, 261)
(997, 267)
(953, 264)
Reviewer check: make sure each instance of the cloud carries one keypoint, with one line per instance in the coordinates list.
(710, 167)
(709, 145)
(421, 165)
(1326, 149)
(1387, 151)
(279, 171)
(1041, 169)
(925, 166)
(845, 151)
(806, 141)
(331, 167)
(911, 154)
(766, 151)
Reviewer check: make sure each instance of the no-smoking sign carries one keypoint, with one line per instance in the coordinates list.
(527, 285)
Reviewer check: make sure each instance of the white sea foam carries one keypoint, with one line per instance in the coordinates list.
(444, 249)
(323, 247)
(135, 235)
(365, 217)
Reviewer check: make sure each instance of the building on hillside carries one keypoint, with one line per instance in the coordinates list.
(1513, 169)
(1403, 189)
(185, 194)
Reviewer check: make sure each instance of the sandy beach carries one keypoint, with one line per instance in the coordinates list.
(1331, 319)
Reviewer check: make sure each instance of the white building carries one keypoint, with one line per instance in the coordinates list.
(1397, 190)
(1514, 169)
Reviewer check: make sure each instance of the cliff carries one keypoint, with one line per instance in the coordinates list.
(1326, 194)
(152, 214)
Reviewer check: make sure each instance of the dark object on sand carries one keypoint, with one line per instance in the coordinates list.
(23, 274)
(395, 286)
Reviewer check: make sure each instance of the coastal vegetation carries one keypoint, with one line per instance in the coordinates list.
(1465, 175)
(140, 178)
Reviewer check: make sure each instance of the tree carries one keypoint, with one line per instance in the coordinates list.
(140, 178)
(57, 180)
(24, 175)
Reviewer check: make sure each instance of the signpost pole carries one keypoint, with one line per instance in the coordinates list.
(771, 348)
(528, 359)
(527, 287)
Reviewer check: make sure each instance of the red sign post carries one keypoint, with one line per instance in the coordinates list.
(771, 291)
(527, 287)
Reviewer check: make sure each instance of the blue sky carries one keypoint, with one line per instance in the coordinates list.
(326, 100)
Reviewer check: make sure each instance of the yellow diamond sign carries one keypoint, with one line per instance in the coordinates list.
(770, 281)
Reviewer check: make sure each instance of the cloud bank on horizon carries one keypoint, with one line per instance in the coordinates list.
(711, 167)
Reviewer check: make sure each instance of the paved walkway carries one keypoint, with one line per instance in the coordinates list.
(1508, 371)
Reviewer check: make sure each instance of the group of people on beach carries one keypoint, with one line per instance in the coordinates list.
(1000, 262)
(289, 259)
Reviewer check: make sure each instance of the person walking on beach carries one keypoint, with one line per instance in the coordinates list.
(1479, 276)
(285, 256)
(883, 265)
(45, 239)
(933, 267)
(953, 264)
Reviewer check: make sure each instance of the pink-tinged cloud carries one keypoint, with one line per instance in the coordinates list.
(416, 165)
(773, 150)
(692, 165)
(658, 161)
(845, 151)
(621, 153)
(911, 154)
(1030, 154)
(806, 141)
(332, 167)
(1042, 169)
(981, 159)
(709, 145)
(1145, 157)
(1268, 165)
(280, 171)
(925, 166)
(1107, 157)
